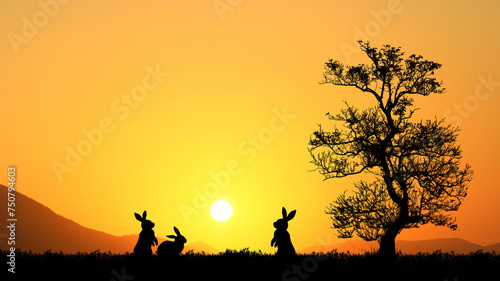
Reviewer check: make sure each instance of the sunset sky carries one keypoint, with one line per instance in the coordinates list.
(113, 107)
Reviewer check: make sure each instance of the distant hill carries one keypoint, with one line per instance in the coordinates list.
(199, 247)
(40, 229)
(457, 245)
(491, 248)
(354, 246)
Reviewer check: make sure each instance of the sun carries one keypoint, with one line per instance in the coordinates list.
(221, 210)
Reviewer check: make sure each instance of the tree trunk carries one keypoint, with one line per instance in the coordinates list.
(387, 242)
(387, 248)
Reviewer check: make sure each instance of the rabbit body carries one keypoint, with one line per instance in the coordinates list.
(282, 240)
(171, 249)
(281, 237)
(146, 240)
(147, 237)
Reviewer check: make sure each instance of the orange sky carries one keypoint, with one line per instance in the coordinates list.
(174, 103)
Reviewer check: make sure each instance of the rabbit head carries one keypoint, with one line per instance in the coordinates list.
(145, 224)
(177, 238)
(282, 223)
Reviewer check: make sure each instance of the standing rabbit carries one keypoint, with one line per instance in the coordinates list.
(146, 237)
(281, 237)
(169, 249)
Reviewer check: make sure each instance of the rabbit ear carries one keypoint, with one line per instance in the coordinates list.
(138, 217)
(291, 215)
(144, 215)
(283, 211)
(171, 236)
(177, 231)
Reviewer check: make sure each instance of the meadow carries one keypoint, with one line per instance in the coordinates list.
(249, 265)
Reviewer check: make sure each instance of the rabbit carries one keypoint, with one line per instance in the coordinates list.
(171, 249)
(146, 237)
(281, 237)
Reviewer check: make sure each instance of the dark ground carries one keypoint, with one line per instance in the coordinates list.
(246, 265)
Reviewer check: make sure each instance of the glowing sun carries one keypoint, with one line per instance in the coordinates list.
(221, 210)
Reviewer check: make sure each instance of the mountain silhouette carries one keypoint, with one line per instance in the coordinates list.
(457, 245)
(198, 247)
(492, 248)
(39, 229)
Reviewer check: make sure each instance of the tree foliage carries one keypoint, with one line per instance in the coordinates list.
(418, 177)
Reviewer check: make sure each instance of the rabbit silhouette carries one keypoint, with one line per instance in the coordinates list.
(146, 237)
(172, 249)
(281, 237)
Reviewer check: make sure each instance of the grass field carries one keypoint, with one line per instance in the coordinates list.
(247, 265)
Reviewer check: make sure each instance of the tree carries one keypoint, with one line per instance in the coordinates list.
(415, 165)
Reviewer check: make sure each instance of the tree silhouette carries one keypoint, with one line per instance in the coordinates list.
(416, 165)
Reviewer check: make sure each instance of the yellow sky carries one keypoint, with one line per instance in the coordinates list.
(169, 103)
